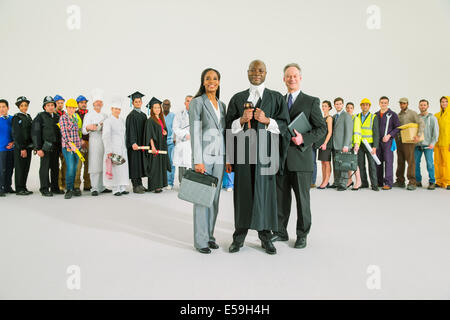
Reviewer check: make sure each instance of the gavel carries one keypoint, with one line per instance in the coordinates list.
(249, 105)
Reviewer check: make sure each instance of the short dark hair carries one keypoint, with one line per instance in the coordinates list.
(338, 99)
(327, 103)
(350, 103)
(5, 102)
(384, 98)
(424, 100)
(188, 96)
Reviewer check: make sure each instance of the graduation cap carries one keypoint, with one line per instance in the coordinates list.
(152, 102)
(134, 96)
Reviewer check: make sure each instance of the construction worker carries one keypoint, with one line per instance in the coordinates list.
(370, 133)
(442, 148)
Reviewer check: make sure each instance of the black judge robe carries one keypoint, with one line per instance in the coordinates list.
(156, 167)
(255, 197)
(134, 125)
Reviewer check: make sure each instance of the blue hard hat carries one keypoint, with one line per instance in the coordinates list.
(82, 98)
(58, 97)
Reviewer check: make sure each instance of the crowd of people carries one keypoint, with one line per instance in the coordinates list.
(105, 152)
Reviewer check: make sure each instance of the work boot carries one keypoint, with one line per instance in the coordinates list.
(411, 187)
(399, 185)
(419, 184)
(432, 186)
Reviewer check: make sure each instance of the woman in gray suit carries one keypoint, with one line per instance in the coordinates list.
(207, 131)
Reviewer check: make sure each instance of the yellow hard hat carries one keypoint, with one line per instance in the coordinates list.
(365, 100)
(71, 103)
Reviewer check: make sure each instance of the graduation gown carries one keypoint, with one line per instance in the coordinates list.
(113, 135)
(255, 197)
(135, 134)
(156, 167)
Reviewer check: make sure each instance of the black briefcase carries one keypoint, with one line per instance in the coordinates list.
(198, 188)
(345, 161)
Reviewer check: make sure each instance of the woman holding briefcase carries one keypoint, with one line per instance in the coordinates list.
(207, 131)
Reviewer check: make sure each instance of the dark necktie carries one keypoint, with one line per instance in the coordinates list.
(290, 101)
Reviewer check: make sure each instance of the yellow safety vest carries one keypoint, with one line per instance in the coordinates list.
(356, 137)
(367, 127)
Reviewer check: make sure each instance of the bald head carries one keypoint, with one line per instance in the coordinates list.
(257, 72)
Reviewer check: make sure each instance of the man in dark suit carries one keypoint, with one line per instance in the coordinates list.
(342, 140)
(296, 162)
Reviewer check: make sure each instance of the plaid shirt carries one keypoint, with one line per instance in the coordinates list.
(69, 131)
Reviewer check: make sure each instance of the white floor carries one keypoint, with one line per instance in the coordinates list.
(140, 247)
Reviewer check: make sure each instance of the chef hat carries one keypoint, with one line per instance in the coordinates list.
(116, 102)
(97, 95)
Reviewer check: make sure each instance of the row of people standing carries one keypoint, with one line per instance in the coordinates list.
(55, 131)
(381, 130)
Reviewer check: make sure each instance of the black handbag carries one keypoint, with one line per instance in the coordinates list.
(198, 188)
(345, 161)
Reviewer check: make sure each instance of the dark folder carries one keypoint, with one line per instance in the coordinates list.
(301, 124)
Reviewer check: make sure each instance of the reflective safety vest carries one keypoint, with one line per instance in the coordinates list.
(356, 137)
(367, 127)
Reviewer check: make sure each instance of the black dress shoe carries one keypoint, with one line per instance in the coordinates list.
(321, 188)
(47, 194)
(118, 194)
(279, 237)
(374, 188)
(94, 193)
(333, 186)
(57, 191)
(269, 247)
(213, 245)
(364, 186)
(204, 250)
(124, 192)
(28, 192)
(77, 192)
(341, 189)
(158, 191)
(21, 193)
(300, 243)
(87, 189)
(11, 191)
(2, 194)
(68, 194)
(235, 247)
(139, 189)
(106, 191)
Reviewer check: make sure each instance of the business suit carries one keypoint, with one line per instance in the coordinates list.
(208, 148)
(298, 168)
(342, 137)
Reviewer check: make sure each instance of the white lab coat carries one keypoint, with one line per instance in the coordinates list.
(182, 151)
(114, 142)
(96, 149)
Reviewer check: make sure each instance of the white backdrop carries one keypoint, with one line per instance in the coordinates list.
(346, 48)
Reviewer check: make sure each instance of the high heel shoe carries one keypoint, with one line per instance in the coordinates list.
(321, 188)
(350, 185)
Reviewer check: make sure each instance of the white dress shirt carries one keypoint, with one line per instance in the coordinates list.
(217, 111)
(294, 96)
(256, 92)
